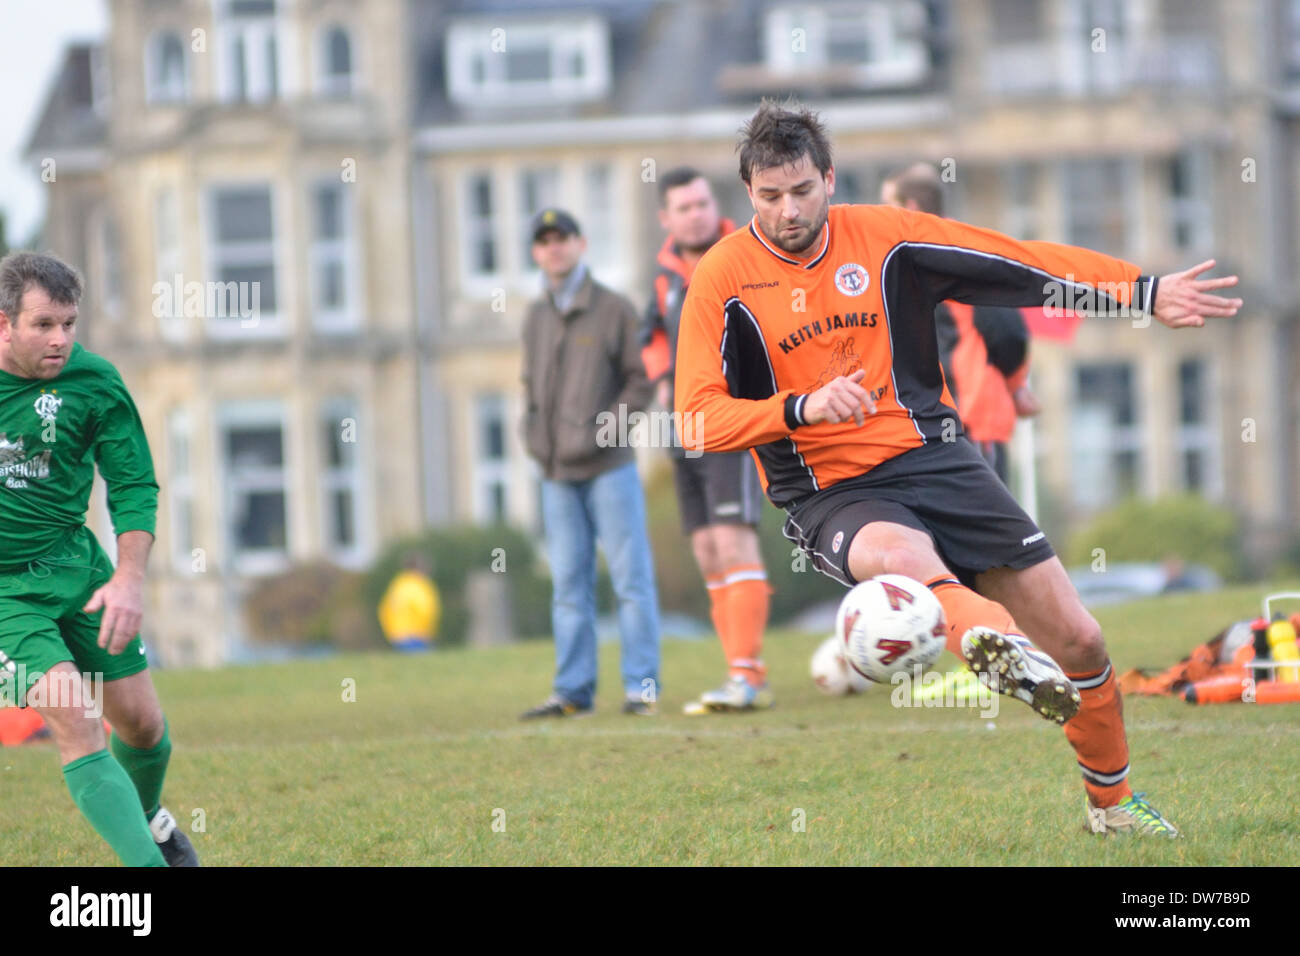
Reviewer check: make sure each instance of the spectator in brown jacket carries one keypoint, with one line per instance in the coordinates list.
(583, 375)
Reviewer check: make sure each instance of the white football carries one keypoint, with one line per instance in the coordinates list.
(832, 674)
(890, 624)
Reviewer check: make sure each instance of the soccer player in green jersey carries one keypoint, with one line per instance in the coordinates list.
(68, 619)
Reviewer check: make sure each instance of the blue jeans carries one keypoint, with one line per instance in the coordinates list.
(611, 508)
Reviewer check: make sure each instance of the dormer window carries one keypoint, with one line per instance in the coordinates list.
(165, 73)
(874, 44)
(491, 63)
(336, 74)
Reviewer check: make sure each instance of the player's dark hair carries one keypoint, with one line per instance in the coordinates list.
(677, 176)
(19, 271)
(919, 183)
(780, 135)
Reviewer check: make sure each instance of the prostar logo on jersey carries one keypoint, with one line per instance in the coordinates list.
(47, 405)
(852, 279)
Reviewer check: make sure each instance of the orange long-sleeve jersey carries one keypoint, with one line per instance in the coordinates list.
(761, 330)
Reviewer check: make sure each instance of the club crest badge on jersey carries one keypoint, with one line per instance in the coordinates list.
(851, 279)
(836, 542)
(47, 406)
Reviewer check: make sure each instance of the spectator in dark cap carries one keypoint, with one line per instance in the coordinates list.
(583, 374)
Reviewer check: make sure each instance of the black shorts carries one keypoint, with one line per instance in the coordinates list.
(995, 453)
(945, 489)
(717, 488)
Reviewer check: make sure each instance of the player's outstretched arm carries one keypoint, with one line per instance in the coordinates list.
(1182, 299)
(838, 401)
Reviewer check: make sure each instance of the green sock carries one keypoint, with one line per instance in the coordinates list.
(146, 768)
(102, 791)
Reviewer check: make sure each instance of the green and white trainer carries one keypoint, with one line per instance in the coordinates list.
(1131, 815)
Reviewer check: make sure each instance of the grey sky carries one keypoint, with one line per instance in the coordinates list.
(33, 36)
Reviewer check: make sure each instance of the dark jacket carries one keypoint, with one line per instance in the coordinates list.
(664, 313)
(576, 366)
(663, 316)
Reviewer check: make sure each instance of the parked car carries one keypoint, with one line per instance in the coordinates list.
(1127, 581)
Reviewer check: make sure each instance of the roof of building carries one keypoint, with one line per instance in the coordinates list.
(69, 119)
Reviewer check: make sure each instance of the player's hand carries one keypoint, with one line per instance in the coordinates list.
(1026, 402)
(1182, 299)
(123, 610)
(843, 398)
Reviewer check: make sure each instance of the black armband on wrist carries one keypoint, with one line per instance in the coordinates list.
(794, 411)
(1144, 293)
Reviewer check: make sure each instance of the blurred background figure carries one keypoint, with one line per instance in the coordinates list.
(411, 608)
(718, 494)
(984, 349)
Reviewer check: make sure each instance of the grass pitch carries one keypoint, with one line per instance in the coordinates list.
(429, 765)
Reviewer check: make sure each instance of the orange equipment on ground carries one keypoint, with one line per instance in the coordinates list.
(1251, 661)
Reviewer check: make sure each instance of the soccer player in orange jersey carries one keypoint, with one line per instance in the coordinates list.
(809, 336)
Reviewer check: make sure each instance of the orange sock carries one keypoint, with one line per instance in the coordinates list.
(746, 599)
(1097, 734)
(964, 609)
(717, 605)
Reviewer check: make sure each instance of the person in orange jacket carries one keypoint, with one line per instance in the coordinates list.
(984, 350)
(718, 495)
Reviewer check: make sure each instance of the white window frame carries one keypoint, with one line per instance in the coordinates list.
(330, 85)
(1128, 170)
(894, 25)
(269, 325)
(344, 251)
(264, 81)
(158, 92)
(1023, 65)
(111, 272)
(1202, 437)
(180, 489)
(168, 257)
(473, 227)
(600, 218)
(1082, 73)
(1118, 438)
(488, 42)
(1196, 209)
(488, 473)
(1021, 217)
(528, 273)
(347, 477)
(254, 414)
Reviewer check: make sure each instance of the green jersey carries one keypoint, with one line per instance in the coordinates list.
(53, 432)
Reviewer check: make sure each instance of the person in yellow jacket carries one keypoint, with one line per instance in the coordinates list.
(411, 609)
